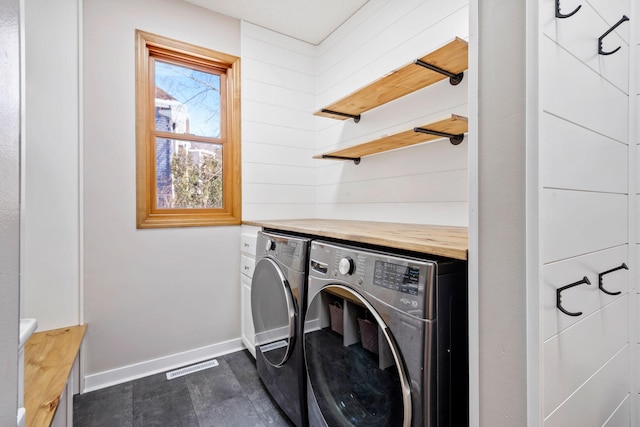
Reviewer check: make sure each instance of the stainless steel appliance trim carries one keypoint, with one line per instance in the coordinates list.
(404, 381)
(291, 313)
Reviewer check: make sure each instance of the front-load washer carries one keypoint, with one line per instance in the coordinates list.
(277, 298)
(385, 339)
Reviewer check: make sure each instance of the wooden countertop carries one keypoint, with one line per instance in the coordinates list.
(446, 241)
(48, 360)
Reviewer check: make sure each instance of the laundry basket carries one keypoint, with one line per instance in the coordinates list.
(337, 317)
(368, 334)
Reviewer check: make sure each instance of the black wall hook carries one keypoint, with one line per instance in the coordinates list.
(602, 52)
(561, 15)
(559, 296)
(623, 266)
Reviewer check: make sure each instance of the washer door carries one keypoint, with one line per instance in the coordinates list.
(356, 375)
(273, 312)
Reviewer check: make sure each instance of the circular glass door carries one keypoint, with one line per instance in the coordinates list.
(355, 371)
(273, 312)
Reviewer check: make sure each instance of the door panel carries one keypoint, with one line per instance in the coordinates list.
(273, 312)
(355, 372)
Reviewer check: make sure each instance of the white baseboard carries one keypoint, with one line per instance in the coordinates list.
(150, 367)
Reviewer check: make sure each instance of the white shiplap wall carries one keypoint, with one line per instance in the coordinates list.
(278, 128)
(584, 202)
(420, 184)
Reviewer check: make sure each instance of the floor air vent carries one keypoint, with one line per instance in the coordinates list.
(191, 369)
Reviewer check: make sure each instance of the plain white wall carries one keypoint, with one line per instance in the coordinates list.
(9, 208)
(422, 184)
(149, 294)
(51, 199)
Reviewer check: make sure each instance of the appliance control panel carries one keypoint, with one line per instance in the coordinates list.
(405, 283)
(290, 251)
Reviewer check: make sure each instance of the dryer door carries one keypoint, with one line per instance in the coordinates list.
(273, 312)
(355, 372)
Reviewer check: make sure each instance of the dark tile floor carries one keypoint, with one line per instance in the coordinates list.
(228, 395)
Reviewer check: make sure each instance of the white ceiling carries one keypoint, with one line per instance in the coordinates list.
(308, 20)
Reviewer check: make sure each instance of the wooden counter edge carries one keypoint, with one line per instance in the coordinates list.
(48, 360)
(453, 247)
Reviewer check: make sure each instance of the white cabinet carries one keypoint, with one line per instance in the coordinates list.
(248, 239)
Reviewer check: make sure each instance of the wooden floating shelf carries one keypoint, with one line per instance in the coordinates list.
(452, 126)
(452, 58)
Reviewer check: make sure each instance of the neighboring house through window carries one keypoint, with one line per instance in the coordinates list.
(188, 134)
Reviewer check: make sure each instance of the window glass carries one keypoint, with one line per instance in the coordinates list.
(187, 100)
(187, 135)
(188, 174)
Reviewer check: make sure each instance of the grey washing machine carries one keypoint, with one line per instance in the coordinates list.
(277, 298)
(385, 339)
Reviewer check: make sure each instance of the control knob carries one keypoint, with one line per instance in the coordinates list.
(270, 245)
(346, 266)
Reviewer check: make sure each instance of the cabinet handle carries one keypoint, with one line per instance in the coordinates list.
(562, 15)
(600, 285)
(246, 245)
(246, 267)
(559, 296)
(602, 52)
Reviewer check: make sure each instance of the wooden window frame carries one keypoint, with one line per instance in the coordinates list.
(150, 46)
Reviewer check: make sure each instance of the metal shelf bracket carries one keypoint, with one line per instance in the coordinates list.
(454, 79)
(355, 118)
(356, 160)
(453, 138)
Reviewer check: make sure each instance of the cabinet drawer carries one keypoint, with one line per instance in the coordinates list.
(248, 243)
(247, 265)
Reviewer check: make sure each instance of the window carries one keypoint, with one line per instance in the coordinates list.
(187, 134)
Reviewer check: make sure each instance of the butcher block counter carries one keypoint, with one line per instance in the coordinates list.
(446, 241)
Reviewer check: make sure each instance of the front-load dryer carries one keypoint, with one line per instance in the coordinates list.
(277, 298)
(385, 339)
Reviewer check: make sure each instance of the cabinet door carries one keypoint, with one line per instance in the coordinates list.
(248, 332)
